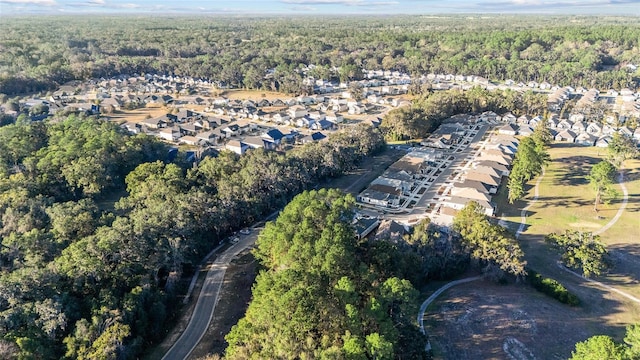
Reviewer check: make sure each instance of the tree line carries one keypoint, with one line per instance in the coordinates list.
(45, 52)
(429, 109)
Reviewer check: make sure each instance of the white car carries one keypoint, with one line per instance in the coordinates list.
(245, 231)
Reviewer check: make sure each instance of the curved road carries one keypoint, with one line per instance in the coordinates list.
(207, 300)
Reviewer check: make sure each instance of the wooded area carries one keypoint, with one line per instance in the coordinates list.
(83, 278)
(39, 53)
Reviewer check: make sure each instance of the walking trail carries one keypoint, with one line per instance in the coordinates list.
(625, 199)
(523, 213)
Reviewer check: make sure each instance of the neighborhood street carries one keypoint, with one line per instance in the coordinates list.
(208, 299)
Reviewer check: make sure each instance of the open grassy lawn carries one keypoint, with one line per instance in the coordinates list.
(566, 199)
(566, 202)
(137, 115)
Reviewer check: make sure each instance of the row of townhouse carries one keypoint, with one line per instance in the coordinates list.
(568, 131)
(395, 186)
(481, 181)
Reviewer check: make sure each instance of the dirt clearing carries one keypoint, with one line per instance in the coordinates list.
(487, 321)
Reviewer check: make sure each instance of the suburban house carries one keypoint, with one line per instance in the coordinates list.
(508, 129)
(525, 130)
(603, 142)
(502, 169)
(170, 133)
(586, 139)
(458, 203)
(231, 130)
(470, 193)
(380, 195)
(189, 140)
(476, 185)
(236, 146)
(490, 180)
(364, 227)
(297, 111)
(274, 136)
(565, 136)
(316, 136)
(156, 123)
(207, 137)
(594, 129)
(256, 142)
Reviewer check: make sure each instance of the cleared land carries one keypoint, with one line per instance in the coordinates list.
(254, 95)
(565, 202)
(481, 320)
(137, 115)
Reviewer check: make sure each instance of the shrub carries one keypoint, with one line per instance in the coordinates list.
(552, 288)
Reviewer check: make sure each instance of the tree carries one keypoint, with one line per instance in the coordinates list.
(530, 159)
(601, 177)
(315, 267)
(621, 148)
(581, 250)
(632, 340)
(597, 348)
(489, 243)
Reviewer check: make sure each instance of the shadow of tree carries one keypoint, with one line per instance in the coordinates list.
(575, 170)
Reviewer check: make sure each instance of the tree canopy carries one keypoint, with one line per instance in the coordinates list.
(602, 177)
(49, 51)
(317, 298)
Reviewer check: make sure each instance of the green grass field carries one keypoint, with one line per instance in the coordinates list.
(566, 198)
(566, 202)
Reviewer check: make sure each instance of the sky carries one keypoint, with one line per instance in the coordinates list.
(310, 7)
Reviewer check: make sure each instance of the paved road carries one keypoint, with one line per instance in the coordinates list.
(207, 300)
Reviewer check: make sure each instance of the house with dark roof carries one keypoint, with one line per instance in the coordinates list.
(316, 136)
(364, 227)
(274, 136)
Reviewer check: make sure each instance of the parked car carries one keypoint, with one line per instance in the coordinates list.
(245, 231)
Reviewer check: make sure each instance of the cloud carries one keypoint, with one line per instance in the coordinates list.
(546, 4)
(304, 8)
(30, 2)
(341, 2)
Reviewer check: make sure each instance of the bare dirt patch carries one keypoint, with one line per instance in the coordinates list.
(254, 95)
(487, 321)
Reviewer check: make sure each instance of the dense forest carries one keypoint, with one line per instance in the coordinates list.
(38, 54)
(96, 229)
